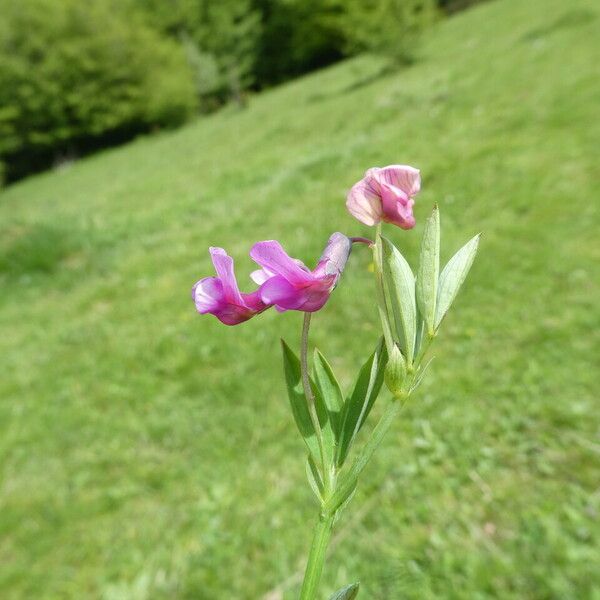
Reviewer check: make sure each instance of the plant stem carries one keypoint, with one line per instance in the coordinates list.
(381, 303)
(347, 484)
(308, 393)
(316, 558)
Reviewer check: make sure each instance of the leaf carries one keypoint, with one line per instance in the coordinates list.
(453, 276)
(299, 404)
(401, 286)
(293, 379)
(429, 269)
(343, 503)
(314, 478)
(347, 593)
(326, 422)
(358, 405)
(330, 390)
(420, 333)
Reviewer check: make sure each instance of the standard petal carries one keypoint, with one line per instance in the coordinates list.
(223, 264)
(363, 201)
(408, 179)
(274, 259)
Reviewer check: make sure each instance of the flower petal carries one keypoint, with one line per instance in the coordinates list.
(408, 179)
(274, 259)
(287, 296)
(397, 207)
(260, 276)
(223, 264)
(363, 201)
(334, 257)
(208, 295)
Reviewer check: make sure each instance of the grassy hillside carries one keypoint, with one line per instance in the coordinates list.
(147, 452)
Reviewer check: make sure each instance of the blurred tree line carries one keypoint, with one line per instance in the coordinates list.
(75, 76)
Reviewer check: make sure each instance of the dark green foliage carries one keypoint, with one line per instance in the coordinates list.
(71, 71)
(451, 6)
(389, 27)
(75, 76)
(298, 36)
(220, 39)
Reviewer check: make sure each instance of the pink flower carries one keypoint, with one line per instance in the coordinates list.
(385, 194)
(288, 284)
(221, 297)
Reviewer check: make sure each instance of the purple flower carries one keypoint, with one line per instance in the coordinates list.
(385, 194)
(221, 297)
(288, 284)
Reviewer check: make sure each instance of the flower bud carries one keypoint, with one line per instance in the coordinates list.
(395, 372)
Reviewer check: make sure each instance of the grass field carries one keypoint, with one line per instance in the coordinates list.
(147, 452)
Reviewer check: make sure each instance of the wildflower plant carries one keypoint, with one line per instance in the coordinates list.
(411, 305)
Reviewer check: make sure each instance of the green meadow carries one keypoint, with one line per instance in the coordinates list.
(148, 452)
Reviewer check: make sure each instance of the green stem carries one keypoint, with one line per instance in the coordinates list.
(308, 393)
(348, 483)
(316, 558)
(381, 303)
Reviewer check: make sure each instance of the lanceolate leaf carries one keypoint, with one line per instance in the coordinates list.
(314, 478)
(326, 421)
(330, 390)
(358, 405)
(347, 593)
(428, 273)
(453, 276)
(293, 379)
(401, 286)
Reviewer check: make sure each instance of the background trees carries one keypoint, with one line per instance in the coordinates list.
(75, 76)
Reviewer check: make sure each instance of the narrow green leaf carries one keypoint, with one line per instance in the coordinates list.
(330, 390)
(429, 268)
(314, 478)
(419, 338)
(453, 276)
(400, 282)
(327, 426)
(293, 379)
(347, 593)
(358, 405)
(343, 501)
